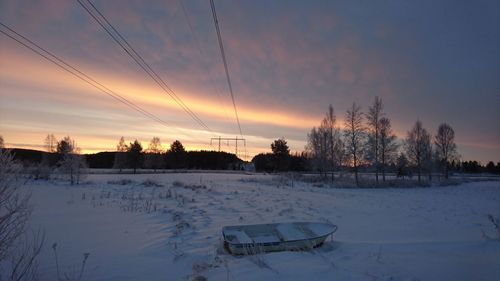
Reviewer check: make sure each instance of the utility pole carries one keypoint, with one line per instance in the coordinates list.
(219, 139)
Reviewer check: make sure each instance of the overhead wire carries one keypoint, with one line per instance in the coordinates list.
(51, 57)
(202, 55)
(226, 69)
(125, 45)
(228, 78)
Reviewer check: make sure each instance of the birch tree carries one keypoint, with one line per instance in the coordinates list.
(153, 158)
(50, 143)
(316, 146)
(446, 149)
(325, 144)
(417, 145)
(388, 145)
(375, 113)
(334, 142)
(354, 136)
(121, 155)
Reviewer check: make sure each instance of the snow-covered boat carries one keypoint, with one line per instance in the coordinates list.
(258, 238)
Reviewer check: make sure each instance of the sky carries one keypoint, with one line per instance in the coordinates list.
(434, 61)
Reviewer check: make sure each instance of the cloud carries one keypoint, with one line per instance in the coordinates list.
(287, 63)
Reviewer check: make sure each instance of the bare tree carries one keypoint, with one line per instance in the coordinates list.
(325, 145)
(446, 149)
(316, 147)
(402, 165)
(388, 146)
(121, 155)
(335, 146)
(18, 253)
(50, 143)
(2, 145)
(153, 157)
(72, 163)
(122, 146)
(354, 136)
(429, 157)
(155, 146)
(417, 145)
(373, 117)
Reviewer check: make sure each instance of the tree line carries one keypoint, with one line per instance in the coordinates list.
(64, 157)
(367, 141)
(176, 157)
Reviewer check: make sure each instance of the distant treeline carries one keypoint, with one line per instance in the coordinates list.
(267, 162)
(206, 160)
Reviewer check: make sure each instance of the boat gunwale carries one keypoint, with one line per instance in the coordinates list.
(253, 244)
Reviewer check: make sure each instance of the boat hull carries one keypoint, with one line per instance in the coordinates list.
(261, 238)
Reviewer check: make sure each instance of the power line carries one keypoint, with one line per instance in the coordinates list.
(125, 45)
(202, 55)
(221, 46)
(219, 139)
(34, 47)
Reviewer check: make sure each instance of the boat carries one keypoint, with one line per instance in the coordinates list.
(273, 237)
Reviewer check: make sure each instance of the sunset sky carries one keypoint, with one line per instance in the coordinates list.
(437, 61)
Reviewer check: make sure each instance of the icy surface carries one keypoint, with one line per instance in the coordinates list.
(171, 230)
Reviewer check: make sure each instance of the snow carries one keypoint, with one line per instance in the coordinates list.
(169, 227)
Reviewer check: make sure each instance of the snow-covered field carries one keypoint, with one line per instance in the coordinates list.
(168, 227)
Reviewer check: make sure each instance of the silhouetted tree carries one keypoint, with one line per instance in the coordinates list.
(211, 160)
(176, 156)
(2, 145)
(429, 160)
(134, 155)
(325, 145)
(121, 155)
(354, 136)
(317, 148)
(281, 154)
(177, 147)
(50, 158)
(72, 163)
(298, 162)
(263, 162)
(417, 146)
(446, 149)
(155, 146)
(490, 167)
(402, 166)
(471, 167)
(50, 143)
(375, 113)
(65, 146)
(153, 157)
(335, 146)
(388, 146)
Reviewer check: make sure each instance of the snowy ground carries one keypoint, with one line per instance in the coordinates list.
(138, 231)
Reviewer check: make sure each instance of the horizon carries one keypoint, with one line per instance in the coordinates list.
(434, 62)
